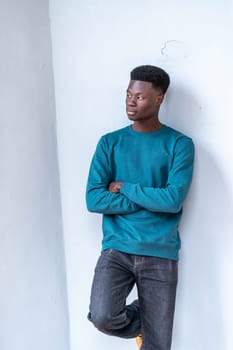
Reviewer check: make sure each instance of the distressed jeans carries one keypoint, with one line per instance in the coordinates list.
(152, 314)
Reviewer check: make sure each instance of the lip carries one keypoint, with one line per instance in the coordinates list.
(131, 112)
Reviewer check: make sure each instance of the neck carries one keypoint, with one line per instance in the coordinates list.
(147, 126)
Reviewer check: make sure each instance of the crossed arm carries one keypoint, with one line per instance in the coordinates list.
(115, 186)
(118, 197)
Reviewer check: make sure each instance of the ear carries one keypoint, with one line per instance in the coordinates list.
(159, 99)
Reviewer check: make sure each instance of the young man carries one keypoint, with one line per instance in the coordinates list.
(139, 178)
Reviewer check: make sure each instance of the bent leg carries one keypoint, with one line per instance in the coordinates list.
(112, 283)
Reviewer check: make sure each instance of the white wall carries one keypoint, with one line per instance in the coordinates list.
(33, 300)
(95, 45)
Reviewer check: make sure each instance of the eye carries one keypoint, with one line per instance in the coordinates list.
(128, 95)
(140, 98)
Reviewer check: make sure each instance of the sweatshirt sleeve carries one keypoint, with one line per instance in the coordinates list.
(98, 198)
(170, 198)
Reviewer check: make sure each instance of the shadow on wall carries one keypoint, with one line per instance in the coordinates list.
(205, 231)
(183, 110)
(207, 225)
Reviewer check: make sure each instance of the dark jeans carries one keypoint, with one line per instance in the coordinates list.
(152, 315)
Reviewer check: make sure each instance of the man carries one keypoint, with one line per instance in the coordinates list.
(139, 178)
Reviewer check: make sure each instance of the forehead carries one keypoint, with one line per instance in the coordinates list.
(138, 86)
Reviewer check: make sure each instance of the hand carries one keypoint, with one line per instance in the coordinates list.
(115, 186)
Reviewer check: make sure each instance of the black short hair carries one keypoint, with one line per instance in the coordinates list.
(155, 75)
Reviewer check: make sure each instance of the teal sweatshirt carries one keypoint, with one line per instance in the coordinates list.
(156, 170)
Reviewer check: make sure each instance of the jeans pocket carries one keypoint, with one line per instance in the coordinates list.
(103, 260)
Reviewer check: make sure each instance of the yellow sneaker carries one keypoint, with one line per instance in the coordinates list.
(139, 341)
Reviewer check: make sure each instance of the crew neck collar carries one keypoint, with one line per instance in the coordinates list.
(135, 132)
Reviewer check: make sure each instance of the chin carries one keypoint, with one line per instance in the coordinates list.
(132, 117)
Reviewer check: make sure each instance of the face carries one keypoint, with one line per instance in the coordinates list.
(142, 100)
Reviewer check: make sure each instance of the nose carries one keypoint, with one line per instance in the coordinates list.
(131, 101)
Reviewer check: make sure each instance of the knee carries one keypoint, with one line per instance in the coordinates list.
(102, 321)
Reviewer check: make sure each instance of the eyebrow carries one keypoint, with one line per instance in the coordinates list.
(136, 93)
